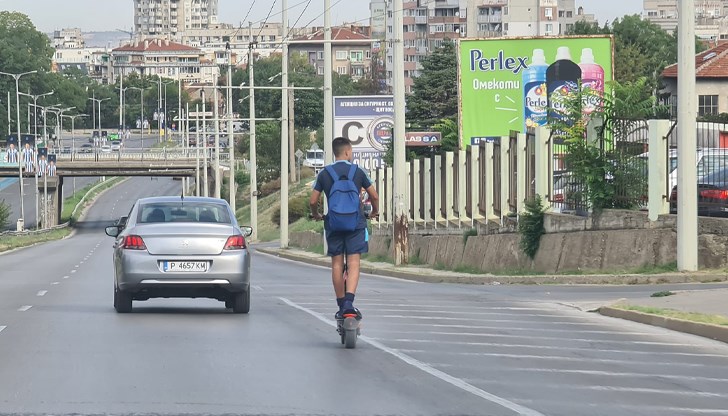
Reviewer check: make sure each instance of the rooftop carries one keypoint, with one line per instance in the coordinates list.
(337, 33)
(712, 63)
(155, 45)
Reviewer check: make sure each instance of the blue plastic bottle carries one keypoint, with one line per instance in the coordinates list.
(535, 98)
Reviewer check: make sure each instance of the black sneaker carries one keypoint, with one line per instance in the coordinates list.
(339, 315)
(351, 311)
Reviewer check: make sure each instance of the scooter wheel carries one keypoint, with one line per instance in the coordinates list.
(350, 338)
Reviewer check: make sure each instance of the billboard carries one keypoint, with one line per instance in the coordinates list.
(368, 121)
(510, 84)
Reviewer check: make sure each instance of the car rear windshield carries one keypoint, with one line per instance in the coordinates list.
(183, 211)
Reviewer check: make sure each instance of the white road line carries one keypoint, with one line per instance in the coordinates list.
(629, 409)
(447, 318)
(56, 283)
(73, 271)
(618, 374)
(419, 312)
(555, 348)
(532, 330)
(2, 327)
(66, 277)
(41, 293)
(408, 305)
(519, 357)
(76, 266)
(530, 336)
(24, 308)
(258, 288)
(521, 410)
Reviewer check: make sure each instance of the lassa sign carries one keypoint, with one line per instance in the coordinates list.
(423, 138)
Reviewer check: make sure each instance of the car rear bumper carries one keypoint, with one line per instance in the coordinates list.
(141, 273)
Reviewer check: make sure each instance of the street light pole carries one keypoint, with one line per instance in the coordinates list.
(231, 136)
(401, 205)
(284, 130)
(20, 164)
(35, 109)
(253, 159)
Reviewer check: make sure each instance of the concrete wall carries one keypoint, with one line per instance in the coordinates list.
(616, 241)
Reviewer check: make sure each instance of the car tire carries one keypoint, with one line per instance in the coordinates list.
(241, 302)
(122, 301)
(229, 303)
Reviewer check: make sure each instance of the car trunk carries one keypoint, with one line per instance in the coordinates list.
(184, 238)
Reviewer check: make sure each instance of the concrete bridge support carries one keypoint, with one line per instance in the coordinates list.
(50, 201)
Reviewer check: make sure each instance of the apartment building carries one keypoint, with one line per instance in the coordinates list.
(351, 53)
(161, 57)
(68, 39)
(219, 36)
(168, 19)
(497, 18)
(708, 14)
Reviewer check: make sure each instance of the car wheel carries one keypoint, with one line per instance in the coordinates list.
(122, 301)
(241, 302)
(229, 303)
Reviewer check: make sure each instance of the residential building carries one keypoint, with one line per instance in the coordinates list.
(168, 19)
(68, 39)
(711, 76)
(219, 36)
(707, 13)
(497, 18)
(158, 57)
(351, 53)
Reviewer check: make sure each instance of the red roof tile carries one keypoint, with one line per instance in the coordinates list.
(712, 63)
(156, 45)
(338, 33)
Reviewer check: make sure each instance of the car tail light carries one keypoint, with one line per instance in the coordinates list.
(235, 242)
(714, 194)
(134, 242)
(559, 198)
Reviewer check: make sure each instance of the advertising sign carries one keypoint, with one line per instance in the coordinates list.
(423, 139)
(368, 121)
(512, 84)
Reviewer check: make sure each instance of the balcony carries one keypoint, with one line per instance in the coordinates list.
(421, 20)
(490, 18)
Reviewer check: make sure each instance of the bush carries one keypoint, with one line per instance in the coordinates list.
(269, 188)
(530, 226)
(4, 214)
(242, 178)
(297, 209)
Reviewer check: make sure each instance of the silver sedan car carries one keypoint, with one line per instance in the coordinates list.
(174, 246)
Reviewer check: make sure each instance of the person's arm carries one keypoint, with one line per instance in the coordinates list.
(374, 200)
(313, 205)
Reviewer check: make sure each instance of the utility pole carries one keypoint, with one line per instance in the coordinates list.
(687, 210)
(328, 96)
(204, 144)
(401, 205)
(216, 164)
(121, 101)
(231, 135)
(253, 159)
(284, 129)
(292, 133)
(197, 151)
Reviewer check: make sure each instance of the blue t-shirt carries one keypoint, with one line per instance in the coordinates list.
(324, 182)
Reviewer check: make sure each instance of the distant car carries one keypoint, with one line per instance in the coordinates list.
(712, 195)
(66, 150)
(115, 146)
(175, 246)
(106, 148)
(86, 148)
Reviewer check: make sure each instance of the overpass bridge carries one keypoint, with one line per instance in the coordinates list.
(176, 162)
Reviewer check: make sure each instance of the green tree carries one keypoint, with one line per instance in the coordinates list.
(4, 214)
(434, 93)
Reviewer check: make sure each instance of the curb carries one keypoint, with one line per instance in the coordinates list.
(714, 332)
(428, 275)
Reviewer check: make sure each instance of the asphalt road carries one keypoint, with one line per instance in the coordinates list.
(426, 349)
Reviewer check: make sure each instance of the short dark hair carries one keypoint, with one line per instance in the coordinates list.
(340, 145)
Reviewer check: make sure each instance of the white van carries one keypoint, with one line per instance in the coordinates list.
(314, 159)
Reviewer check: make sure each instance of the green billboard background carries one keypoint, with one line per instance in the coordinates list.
(491, 79)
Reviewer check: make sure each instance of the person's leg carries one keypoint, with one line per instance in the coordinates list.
(335, 243)
(355, 245)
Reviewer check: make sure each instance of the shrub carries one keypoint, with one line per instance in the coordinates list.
(297, 209)
(530, 226)
(269, 188)
(4, 214)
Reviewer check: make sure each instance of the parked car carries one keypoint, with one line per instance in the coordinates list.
(115, 146)
(175, 246)
(707, 161)
(106, 148)
(86, 148)
(712, 195)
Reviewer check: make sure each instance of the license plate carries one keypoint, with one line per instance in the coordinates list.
(185, 266)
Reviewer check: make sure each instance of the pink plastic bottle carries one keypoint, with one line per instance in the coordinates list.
(592, 81)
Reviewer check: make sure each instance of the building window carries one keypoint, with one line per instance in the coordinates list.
(341, 70)
(320, 70)
(569, 14)
(357, 56)
(341, 55)
(549, 28)
(549, 12)
(707, 105)
(320, 55)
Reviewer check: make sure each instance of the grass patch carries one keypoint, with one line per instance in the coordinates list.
(70, 203)
(471, 232)
(377, 258)
(17, 241)
(305, 224)
(671, 313)
(659, 269)
(168, 143)
(467, 269)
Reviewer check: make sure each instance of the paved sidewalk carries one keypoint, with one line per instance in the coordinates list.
(707, 302)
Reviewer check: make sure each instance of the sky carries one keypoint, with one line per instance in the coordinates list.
(109, 15)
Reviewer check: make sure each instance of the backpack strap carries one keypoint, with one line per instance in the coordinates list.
(332, 172)
(352, 171)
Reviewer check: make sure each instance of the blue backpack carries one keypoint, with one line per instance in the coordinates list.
(344, 203)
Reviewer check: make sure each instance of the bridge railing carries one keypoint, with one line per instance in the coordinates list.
(187, 154)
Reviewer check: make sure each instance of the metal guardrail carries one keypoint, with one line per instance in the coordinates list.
(174, 154)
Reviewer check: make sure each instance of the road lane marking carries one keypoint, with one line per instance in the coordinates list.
(419, 305)
(24, 308)
(41, 293)
(56, 283)
(628, 408)
(2, 327)
(532, 330)
(73, 271)
(66, 277)
(521, 410)
(75, 267)
(600, 373)
(258, 288)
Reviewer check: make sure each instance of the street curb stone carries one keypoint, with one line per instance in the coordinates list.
(715, 332)
(428, 275)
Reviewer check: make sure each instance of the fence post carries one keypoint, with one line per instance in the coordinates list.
(476, 179)
(427, 200)
(522, 172)
(408, 188)
(382, 196)
(449, 186)
(437, 202)
(505, 149)
(658, 159)
(462, 186)
(389, 211)
(416, 190)
(489, 181)
(542, 163)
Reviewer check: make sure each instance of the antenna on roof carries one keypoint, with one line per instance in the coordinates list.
(709, 56)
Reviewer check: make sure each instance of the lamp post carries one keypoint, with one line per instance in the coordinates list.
(17, 77)
(99, 100)
(166, 123)
(141, 118)
(60, 123)
(35, 108)
(73, 129)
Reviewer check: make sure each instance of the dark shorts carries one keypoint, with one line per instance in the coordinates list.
(352, 242)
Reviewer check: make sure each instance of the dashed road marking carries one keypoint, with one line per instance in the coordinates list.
(56, 283)
(258, 288)
(2, 327)
(459, 383)
(66, 277)
(73, 271)
(24, 308)
(41, 293)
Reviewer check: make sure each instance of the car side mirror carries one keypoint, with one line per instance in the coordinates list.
(112, 231)
(121, 222)
(247, 231)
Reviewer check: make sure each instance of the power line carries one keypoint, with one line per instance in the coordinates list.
(292, 28)
(266, 18)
